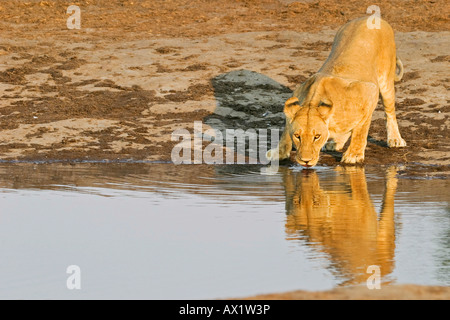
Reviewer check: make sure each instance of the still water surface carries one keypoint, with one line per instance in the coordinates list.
(159, 231)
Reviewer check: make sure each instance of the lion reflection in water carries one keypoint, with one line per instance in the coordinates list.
(343, 224)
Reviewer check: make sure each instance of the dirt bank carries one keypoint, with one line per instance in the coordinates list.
(393, 292)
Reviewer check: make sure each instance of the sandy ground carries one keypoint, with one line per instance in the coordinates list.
(397, 292)
(137, 70)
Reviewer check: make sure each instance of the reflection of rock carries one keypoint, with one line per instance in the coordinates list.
(247, 99)
(342, 222)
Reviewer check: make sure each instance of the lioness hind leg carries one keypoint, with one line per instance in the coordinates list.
(337, 142)
(394, 138)
(330, 145)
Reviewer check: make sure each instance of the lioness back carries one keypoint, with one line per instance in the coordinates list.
(357, 50)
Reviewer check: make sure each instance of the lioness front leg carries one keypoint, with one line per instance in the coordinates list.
(355, 152)
(283, 150)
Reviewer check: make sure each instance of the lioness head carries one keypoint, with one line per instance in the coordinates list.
(312, 112)
(308, 129)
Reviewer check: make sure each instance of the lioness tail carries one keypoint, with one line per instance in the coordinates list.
(399, 67)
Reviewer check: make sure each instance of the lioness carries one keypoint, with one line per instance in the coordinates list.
(338, 101)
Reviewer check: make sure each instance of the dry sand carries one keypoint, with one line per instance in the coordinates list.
(392, 292)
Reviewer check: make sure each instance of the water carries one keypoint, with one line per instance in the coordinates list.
(159, 231)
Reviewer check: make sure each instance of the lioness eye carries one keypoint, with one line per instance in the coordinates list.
(317, 136)
(297, 135)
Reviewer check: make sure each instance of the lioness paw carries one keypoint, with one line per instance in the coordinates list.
(270, 155)
(277, 154)
(396, 143)
(352, 158)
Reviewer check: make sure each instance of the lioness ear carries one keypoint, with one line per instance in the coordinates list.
(291, 106)
(324, 109)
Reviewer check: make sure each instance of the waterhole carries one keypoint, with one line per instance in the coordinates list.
(161, 231)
